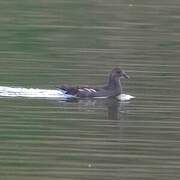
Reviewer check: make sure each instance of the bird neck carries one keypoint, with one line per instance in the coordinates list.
(114, 83)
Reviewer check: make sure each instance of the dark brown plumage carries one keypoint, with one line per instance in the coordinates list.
(112, 89)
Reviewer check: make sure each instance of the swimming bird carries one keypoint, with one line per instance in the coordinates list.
(112, 89)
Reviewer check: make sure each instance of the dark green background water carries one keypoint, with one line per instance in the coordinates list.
(44, 43)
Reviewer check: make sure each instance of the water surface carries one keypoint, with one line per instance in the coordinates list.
(47, 43)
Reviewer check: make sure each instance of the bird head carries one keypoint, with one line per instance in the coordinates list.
(119, 73)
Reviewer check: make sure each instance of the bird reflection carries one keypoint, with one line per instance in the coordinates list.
(112, 106)
(113, 109)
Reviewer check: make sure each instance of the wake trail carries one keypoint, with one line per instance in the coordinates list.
(31, 92)
(43, 93)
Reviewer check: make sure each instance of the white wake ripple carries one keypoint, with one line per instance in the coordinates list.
(42, 93)
(31, 92)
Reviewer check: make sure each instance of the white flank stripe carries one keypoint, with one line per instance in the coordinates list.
(81, 90)
(93, 90)
(89, 90)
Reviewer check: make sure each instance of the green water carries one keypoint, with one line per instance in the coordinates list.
(44, 43)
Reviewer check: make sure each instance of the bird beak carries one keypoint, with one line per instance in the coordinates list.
(125, 75)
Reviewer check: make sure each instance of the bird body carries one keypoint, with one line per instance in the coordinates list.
(112, 89)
